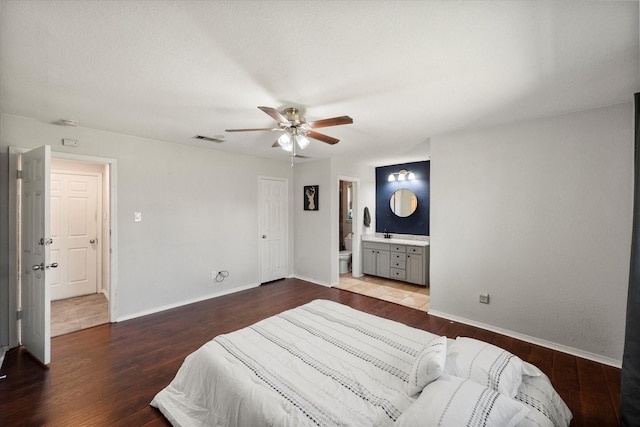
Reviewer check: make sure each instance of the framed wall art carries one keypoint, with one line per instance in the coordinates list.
(311, 197)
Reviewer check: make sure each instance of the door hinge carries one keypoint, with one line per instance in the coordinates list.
(19, 174)
(19, 314)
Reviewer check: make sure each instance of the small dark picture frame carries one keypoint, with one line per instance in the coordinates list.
(310, 197)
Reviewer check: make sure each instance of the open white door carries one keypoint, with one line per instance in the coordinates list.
(35, 246)
(273, 229)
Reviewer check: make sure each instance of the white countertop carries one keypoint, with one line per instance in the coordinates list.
(392, 240)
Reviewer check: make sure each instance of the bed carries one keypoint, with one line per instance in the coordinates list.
(327, 364)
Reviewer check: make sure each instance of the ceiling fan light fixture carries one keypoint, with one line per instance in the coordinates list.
(302, 141)
(285, 142)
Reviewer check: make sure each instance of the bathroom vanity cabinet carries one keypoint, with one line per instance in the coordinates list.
(377, 259)
(409, 263)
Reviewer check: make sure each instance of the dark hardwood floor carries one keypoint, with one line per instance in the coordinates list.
(107, 375)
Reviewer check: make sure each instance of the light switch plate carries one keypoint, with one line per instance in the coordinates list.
(137, 216)
(70, 142)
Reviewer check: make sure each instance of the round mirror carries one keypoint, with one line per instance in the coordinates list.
(403, 202)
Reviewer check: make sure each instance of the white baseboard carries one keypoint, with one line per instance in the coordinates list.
(306, 279)
(105, 293)
(533, 340)
(3, 351)
(185, 302)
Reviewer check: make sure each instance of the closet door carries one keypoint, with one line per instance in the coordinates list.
(273, 229)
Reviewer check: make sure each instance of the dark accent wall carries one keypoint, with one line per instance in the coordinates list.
(418, 222)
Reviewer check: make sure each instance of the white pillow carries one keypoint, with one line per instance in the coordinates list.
(487, 365)
(428, 366)
(548, 408)
(454, 402)
(530, 370)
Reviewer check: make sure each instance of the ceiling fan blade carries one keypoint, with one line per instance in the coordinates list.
(275, 114)
(300, 156)
(248, 130)
(322, 137)
(334, 121)
(276, 144)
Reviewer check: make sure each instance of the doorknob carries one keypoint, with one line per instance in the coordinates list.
(37, 267)
(92, 241)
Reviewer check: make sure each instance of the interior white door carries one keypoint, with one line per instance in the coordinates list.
(273, 229)
(35, 246)
(74, 230)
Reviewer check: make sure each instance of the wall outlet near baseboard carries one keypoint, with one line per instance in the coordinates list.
(484, 298)
(214, 274)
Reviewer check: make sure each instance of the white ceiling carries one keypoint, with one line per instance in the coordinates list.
(405, 71)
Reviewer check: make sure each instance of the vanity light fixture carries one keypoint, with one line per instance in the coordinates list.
(402, 175)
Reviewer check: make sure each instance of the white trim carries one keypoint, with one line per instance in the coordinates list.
(533, 340)
(356, 265)
(3, 351)
(13, 248)
(285, 221)
(186, 302)
(100, 223)
(306, 279)
(113, 273)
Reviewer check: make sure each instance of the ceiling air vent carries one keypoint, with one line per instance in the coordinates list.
(217, 138)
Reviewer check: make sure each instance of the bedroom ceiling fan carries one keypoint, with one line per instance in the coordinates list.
(296, 130)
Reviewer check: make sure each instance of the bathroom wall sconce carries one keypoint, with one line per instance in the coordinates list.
(403, 175)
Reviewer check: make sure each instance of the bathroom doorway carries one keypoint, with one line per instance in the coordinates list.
(79, 214)
(345, 224)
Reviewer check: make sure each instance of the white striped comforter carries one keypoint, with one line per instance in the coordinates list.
(322, 363)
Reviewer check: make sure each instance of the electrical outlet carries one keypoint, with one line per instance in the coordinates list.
(137, 216)
(484, 298)
(214, 274)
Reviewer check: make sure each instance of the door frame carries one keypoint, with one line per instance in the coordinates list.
(285, 228)
(356, 258)
(14, 154)
(100, 220)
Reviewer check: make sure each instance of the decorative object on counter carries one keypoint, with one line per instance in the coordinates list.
(367, 217)
(311, 197)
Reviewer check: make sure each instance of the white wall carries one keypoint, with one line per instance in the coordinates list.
(313, 229)
(199, 212)
(316, 232)
(537, 214)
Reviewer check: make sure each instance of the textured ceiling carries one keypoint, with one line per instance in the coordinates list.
(405, 71)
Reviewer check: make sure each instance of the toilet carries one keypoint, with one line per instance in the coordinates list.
(345, 256)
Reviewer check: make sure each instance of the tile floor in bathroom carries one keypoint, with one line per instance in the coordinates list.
(402, 293)
(74, 314)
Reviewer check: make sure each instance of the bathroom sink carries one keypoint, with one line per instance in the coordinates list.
(393, 240)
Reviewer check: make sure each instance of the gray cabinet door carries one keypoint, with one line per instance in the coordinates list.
(415, 269)
(383, 259)
(370, 261)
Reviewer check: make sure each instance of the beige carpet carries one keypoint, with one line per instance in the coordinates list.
(402, 293)
(74, 314)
